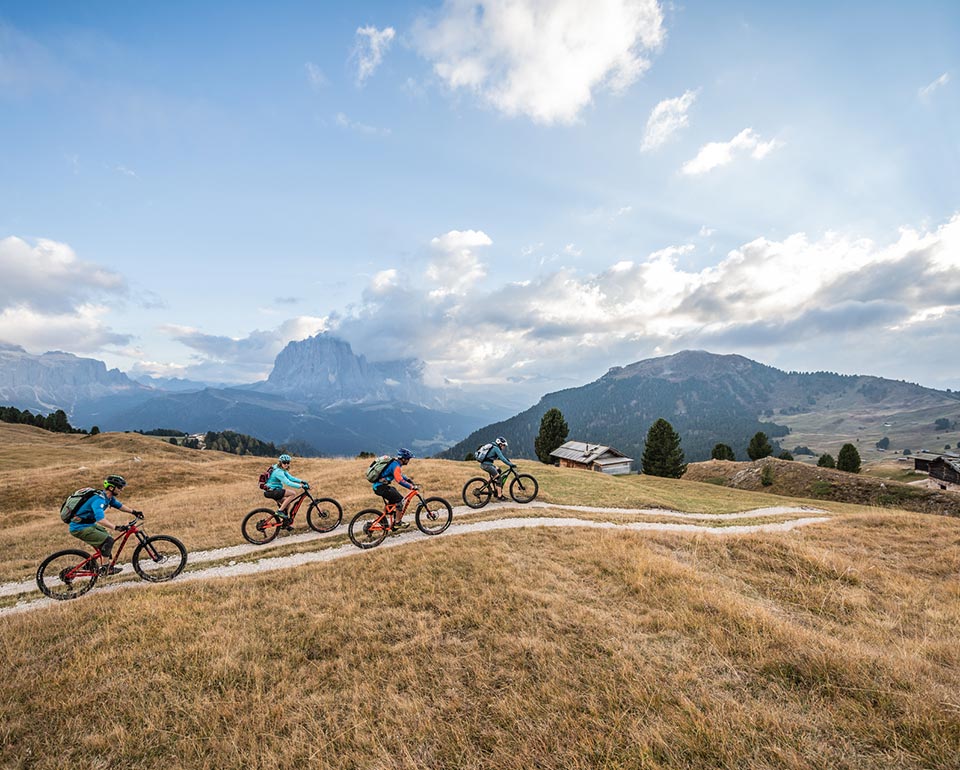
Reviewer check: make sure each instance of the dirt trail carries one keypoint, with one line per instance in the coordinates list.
(268, 563)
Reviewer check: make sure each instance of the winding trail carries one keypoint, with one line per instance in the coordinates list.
(234, 568)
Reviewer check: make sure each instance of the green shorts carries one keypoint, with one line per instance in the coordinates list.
(95, 535)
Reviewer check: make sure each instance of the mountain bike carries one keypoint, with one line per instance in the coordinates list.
(478, 491)
(262, 525)
(71, 573)
(370, 527)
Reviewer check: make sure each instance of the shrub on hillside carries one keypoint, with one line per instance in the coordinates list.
(826, 461)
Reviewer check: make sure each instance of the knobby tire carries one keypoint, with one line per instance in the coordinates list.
(524, 488)
(260, 516)
(434, 515)
(324, 514)
(159, 558)
(361, 534)
(50, 570)
(477, 492)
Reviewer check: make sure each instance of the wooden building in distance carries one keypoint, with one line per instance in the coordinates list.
(944, 470)
(592, 457)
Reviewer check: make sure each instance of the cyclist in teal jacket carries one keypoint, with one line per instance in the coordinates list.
(283, 487)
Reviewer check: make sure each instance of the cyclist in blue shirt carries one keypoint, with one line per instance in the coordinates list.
(496, 453)
(393, 471)
(283, 487)
(89, 521)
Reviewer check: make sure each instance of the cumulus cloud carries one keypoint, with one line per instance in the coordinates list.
(832, 293)
(51, 299)
(369, 48)
(668, 117)
(455, 267)
(927, 90)
(541, 58)
(715, 154)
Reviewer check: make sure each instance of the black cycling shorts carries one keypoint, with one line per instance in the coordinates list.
(274, 494)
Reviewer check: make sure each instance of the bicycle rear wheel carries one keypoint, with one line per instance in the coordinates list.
(260, 526)
(159, 558)
(368, 528)
(477, 492)
(524, 488)
(67, 574)
(434, 515)
(324, 514)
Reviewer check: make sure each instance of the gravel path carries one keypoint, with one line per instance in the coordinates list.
(268, 563)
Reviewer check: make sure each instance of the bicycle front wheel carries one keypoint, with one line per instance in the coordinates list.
(260, 526)
(159, 558)
(524, 488)
(368, 528)
(434, 515)
(67, 574)
(324, 514)
(477, 492)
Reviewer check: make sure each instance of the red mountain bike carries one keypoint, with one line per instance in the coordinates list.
(370, 527)
(71, 573)
(262, 525)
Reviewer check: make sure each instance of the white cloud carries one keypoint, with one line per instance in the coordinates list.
(370, 46)
(541, 58)
(927, 90)
(80, 329)
(668, 117)
(48, 276)
(715, 154)
(831, 293)
(362, 128)
(315, 75)
(456, 267)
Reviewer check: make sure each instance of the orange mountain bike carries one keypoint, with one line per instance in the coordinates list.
(369, 528)
(71, 573)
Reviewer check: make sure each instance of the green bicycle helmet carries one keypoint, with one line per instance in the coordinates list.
(117, 482)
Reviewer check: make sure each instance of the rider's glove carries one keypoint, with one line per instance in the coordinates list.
(138, 514)
(122, 527)
(305, 485)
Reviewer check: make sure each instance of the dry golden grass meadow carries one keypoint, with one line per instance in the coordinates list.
(834, 645)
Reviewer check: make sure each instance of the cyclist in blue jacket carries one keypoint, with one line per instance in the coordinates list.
(283, 487)
(393, 471)
(496, 452)
(90, 520)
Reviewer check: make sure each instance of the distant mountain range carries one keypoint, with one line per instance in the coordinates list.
(321, 394)
(711, 399)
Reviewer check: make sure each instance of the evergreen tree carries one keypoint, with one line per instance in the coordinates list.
(662, 455)
(826, 461)
(849, 459)
(722, 452)
(759, 446)
(785, 455)
(553, 433)
(94, 430)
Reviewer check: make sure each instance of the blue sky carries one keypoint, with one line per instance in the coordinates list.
(522, 193)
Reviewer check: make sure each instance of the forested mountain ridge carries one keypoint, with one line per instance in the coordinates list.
(711, 399)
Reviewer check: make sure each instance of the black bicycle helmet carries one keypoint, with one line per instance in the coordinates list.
(117, 482)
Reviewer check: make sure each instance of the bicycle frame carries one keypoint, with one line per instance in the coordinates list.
(390, 510)
(97, 555)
